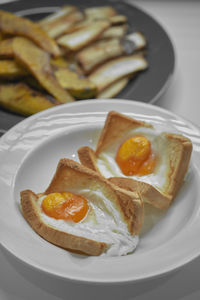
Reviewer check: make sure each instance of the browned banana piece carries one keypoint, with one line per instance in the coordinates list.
(100, 12)
(10, 69)
(12, 24)
(19, 98)
(77, 85)
(80, 38)
(63, 24)
(37, 62)
(6, 49)
(113, 89)
(98, 53)
(117, 68)
(63, 11)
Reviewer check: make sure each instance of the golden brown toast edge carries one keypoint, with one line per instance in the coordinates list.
(55, 236)
(115, 125)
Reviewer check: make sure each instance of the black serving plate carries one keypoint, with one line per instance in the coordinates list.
(148, 85)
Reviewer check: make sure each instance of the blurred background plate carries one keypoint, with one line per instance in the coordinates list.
(149, 85)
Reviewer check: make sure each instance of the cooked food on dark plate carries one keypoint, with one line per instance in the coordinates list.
(72, 54)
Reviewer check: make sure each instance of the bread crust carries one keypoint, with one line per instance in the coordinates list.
(179, 153)
(179, 149)
(148, 193)
(72, 175)
(115, 125)
(87, 157)
(55, 236)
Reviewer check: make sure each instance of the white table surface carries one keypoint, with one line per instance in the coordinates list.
(181, 19)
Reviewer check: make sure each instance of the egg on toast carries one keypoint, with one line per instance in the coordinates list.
(83, 212)
(135, 156)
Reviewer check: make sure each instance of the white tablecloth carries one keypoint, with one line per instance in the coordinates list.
(181, 19)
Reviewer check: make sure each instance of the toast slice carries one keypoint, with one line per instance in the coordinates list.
(112, 212)
(173, 151)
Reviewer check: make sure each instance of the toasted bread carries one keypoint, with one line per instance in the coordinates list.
(63, 239)
(71, 176)
(178, 152)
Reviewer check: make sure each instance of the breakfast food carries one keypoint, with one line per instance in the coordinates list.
(72, 54)
(11, 24)
(82, 211)
(138, 157)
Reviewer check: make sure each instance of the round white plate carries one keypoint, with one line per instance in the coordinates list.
(29, 154)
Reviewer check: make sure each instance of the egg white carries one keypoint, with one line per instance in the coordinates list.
(109, 168)
(103, 223)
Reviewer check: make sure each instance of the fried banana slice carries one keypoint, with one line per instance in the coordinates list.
(80, 38)
(59, 62)
(98, 53)
(104, 13)
(114, 89)
(100, 12)
(62, 62)
(12, 24)
(118, 19)
(77, 85)
(94, 14)
(134, 41)
(10, 69)
(115, 32)
(117, 68)
(103, 50)
(87, 21)
(19, 98)
(33, 83)
(63, 24)
(64, 11)
(37, 62)
(6, 49)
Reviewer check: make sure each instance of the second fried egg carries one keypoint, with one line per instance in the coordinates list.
(140, 154)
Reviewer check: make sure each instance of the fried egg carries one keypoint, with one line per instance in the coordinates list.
(90, 214)
(140, 154)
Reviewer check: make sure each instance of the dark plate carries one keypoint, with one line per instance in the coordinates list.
(149, 85)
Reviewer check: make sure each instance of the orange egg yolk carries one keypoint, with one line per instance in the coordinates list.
(135, 157)
(66, 206)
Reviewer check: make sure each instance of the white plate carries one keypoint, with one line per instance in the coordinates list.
(29, 154)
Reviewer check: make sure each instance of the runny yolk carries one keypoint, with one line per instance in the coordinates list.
(66, 206)
(135, 157)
